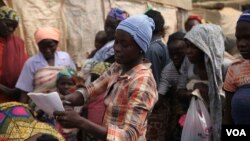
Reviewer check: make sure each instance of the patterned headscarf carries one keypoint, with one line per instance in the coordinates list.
(210, 39)
(100, 68)
(118, 14)
(8, 13)
(18, 123)
(245, 16)
(67, 72)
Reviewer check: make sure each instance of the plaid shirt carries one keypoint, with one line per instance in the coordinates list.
(129, 99)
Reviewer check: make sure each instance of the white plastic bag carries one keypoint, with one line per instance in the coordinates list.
(197, 125)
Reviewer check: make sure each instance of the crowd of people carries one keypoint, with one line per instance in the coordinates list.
(134, 88)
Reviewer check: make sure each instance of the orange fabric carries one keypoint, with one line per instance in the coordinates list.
(47, 33)
(238, 75)
(45, 79)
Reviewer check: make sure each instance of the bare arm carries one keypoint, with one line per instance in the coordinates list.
(12, 92)
(71, 119)
(24, 97)
(134, 113)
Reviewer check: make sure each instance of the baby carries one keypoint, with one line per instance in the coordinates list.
(100, 41)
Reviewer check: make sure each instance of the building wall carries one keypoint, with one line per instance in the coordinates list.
(80, 20)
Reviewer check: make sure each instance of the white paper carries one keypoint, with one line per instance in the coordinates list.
(48, 102)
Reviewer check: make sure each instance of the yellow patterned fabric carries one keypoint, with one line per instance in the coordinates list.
(100, 68)
(17, 123)
(8, 13)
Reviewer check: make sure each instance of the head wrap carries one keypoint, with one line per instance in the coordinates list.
(100, 68)
(195, 17)
(17, 123)
(140, 27)
(67, 72)
(210, 39)
(8, 13)
(47, 33)
(245, 16)
(118, 14)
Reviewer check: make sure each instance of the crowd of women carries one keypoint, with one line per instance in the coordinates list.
(135, 87)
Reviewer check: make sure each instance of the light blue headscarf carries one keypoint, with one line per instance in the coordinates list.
(140, 27)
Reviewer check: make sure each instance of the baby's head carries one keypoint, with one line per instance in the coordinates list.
(66, 83)
(100, 39)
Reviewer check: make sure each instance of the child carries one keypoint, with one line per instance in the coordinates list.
(66, 84)
(100, 41)
(95, 108)
(238, 78)
(66, 81)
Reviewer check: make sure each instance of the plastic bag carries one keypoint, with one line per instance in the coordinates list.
(197, 125)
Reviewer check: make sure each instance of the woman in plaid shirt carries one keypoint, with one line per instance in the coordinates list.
(129, 86)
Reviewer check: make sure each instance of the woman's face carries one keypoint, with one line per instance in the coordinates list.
(126, 50)
(194, 54)
(48, 47)
(243, 38)
(110, 27)
(177, 51)
(7, 27)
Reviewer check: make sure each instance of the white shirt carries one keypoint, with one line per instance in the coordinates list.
(36, 62)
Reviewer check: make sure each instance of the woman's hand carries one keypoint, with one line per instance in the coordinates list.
(39, 115)
(203, 88)
(69, 118)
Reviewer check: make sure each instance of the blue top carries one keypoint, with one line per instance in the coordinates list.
(158, 55)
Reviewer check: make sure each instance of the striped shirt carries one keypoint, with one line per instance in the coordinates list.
(129, 99)
(169, 78)
(238, 74)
